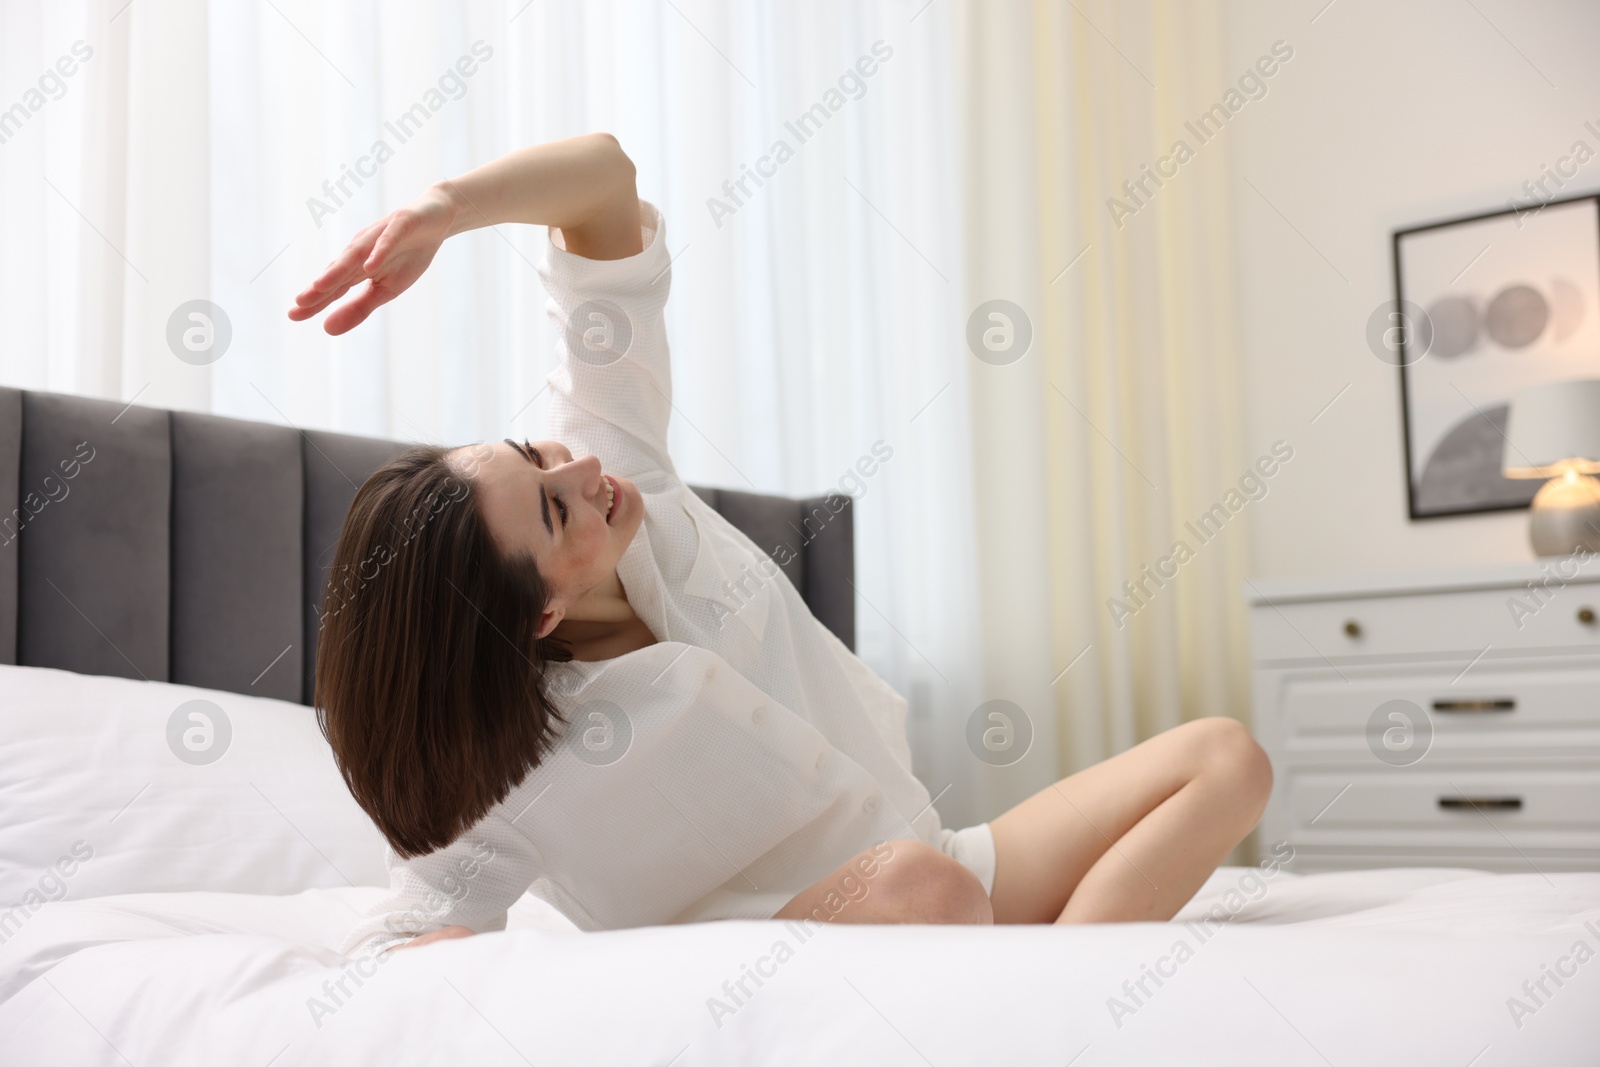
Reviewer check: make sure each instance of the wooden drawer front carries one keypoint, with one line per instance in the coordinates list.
(1441, 623)
(1532, 807)
(1515, 704)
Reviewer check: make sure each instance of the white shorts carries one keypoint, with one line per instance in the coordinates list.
(973, 848)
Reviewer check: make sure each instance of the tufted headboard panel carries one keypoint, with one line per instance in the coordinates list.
(190, 548)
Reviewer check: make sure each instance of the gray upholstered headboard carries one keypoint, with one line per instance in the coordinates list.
(190, 548)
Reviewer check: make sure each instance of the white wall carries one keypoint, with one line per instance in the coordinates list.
(1389, 114)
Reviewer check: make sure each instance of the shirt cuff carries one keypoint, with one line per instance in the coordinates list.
(574, 270)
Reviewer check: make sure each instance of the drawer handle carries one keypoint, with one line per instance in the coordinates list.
(1484, 704)
(1481, 803)
(1352, 628)
(1586, 616)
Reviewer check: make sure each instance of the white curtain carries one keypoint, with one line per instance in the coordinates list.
(1125, 422)
(227, 151)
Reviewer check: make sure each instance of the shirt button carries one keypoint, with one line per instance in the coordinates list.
(755, 716)
(820, 757)
(711, 674)
(869, 805)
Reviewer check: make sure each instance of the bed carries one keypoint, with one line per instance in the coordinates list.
(178, 857)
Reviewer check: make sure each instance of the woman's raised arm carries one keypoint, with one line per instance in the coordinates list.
(582, 185)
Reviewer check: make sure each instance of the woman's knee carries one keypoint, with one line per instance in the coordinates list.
(1226, 748)
(917, 883)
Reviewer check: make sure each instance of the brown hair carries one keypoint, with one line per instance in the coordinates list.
(430, 683)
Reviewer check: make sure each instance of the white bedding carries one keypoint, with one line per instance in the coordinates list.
(1375, 967)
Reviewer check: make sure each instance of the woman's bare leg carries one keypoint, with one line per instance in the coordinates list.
(899, 881)
(1134, 837)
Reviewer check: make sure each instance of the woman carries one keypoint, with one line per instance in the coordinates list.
(548, 665)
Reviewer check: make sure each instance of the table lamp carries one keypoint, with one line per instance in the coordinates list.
(1553, 431)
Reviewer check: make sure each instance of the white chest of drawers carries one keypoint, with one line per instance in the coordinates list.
(1432, 719)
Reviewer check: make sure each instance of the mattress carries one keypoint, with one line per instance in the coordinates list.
(1400, 966)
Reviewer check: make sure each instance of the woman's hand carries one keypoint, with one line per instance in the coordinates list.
(582, 185)
(392, 252)
(445, 934)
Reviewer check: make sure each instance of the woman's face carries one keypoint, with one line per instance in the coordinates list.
(574, 520)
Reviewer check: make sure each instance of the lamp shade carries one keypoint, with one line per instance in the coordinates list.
(1553, 428)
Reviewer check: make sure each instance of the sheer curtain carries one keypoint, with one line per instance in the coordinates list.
(1128, 411)
(226, 151)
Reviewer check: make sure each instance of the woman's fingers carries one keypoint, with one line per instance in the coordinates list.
(391, 253)
(353, 313)
(400, 225)
(342, 271)
(331, 285)
(446, 934)
(317, 303)
(345, 271)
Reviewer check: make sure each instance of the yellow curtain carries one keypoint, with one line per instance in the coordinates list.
(1100, 448)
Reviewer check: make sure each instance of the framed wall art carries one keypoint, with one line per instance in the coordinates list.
(1490, 303)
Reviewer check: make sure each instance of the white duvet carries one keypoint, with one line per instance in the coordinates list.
(1375, 967)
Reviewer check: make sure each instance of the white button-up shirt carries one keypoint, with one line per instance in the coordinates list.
(714, 774)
